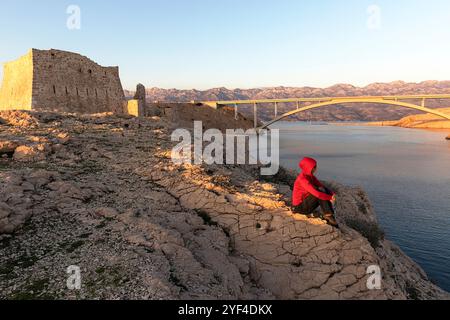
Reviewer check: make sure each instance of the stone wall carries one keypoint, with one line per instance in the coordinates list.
(134, 107)
(55, 80)
(65, 81)
(15, 92)
(137, 106)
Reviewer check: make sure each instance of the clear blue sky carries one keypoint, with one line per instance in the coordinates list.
(241, 43)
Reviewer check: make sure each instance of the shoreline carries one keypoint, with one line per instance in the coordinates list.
(393, 124)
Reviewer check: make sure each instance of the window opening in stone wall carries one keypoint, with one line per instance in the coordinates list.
(90, 71)
(54, 89)
(77, 92)
(67, 91)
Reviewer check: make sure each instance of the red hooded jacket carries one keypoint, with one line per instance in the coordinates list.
(307, 184)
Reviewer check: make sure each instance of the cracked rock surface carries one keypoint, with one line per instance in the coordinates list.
(100, 192)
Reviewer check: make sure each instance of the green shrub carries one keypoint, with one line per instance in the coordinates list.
(370, 231)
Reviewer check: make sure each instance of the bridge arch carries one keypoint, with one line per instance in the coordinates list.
(344, 101)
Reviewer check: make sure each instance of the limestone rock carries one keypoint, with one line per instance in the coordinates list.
(15, 203)
(8, 146)
(106, 212)
(63, 137)
(5, 210)
(19, 119)
(30, 153)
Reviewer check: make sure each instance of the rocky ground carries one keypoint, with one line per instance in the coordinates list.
(100, 192)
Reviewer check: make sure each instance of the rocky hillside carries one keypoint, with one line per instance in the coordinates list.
(362, 112)
(100, 192)
(421, 121)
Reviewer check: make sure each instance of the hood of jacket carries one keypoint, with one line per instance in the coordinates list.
(307, 165)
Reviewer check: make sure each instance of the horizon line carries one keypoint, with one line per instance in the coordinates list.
(292, 87)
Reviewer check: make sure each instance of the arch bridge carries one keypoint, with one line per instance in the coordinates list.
(304, 104)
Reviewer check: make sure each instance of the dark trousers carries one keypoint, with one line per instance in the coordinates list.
(311, 203)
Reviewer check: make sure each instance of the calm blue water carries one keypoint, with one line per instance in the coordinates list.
(406, 173)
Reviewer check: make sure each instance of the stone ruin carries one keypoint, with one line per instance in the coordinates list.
(137, 105)
(61, 81)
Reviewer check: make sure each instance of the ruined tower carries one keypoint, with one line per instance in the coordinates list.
(55, 80)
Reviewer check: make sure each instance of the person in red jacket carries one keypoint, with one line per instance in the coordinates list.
(309, 193)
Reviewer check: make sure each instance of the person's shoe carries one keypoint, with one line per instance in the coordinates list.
(315, 215)
(329, 218)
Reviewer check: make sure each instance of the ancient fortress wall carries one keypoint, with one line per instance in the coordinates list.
(65, 81)
(16, 89)
(55, 80)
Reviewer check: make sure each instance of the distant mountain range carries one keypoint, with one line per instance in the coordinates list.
(357, 112)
